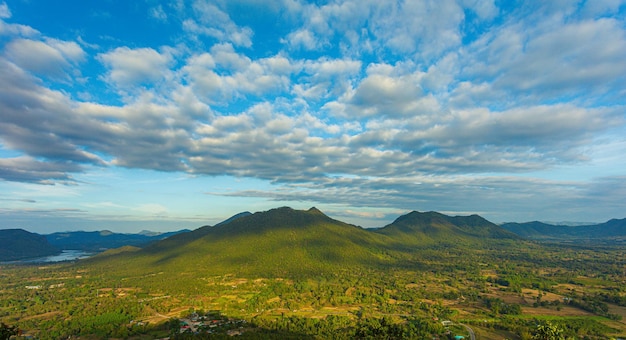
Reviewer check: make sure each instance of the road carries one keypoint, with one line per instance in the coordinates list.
(470, 331)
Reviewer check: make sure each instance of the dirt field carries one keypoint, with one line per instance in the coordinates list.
(565, 311)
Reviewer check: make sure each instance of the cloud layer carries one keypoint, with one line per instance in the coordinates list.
(409, 102)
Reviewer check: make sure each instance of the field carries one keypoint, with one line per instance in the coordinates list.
(582, 291)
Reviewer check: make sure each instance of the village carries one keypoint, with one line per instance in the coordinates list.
(211, 322)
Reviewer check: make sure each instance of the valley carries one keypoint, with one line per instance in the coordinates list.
(288, 273)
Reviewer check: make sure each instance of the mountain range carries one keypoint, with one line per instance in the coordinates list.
(95, 241)
(611, 231)
(20, 244)
(288, 239)
(285, 241)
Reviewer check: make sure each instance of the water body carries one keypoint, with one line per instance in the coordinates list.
(66, 255)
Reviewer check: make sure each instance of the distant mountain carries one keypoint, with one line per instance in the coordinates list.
(95, 241)
(610, 231)
(20, 244)
(422, 228)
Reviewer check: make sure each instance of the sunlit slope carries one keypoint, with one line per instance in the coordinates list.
(428, 228)
(285, 242)
(277, 242)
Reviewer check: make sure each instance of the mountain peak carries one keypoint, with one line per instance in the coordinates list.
(314, 210)
(234, 217)
(435, 226)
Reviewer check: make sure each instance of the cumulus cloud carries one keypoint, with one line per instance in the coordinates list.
(5, 12)
(546, 62)
(131, 67)
(423, 29)
(30, 170)
(366, 102)
(214, 22)
(40, 121)
(223, 74)
(158, 13)
(51, 58)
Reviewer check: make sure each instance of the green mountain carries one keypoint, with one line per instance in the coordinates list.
(427, 228)
(610, 231)
(17, 244)
(285, 241)
(234, 217)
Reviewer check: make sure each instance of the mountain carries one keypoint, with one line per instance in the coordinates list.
(611, 231)
(105, 239)
(20, 244)
(423, 228)
(273, 242)
(180, 239)
(285, 241)
(234, 217)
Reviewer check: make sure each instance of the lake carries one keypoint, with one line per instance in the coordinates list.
(66, 255)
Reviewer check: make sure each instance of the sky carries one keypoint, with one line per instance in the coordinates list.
(162, 115)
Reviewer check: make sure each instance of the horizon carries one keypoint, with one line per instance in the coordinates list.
(173, 227)
(150, 115)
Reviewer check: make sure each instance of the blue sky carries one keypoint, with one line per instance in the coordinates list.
(130, 115)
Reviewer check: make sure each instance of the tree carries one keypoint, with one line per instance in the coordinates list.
(548, 331)
(6, 331)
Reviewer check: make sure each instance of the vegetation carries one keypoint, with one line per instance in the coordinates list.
(290, 274)
(16, 244)
(94, 241)
(610, 232)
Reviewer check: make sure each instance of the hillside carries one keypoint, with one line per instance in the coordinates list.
(297, 242)
(20, 244)
(291, 273)
(610, 231)
(95, 241)
(274, 242)
(424, 228)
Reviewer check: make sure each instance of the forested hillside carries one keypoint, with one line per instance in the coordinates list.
(613, 231)
(16, 244)
(288, 273)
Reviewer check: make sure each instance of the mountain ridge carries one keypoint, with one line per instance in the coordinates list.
(432, 227)
(19, 244)
(611, 230)
(285, 241)
(94, 241)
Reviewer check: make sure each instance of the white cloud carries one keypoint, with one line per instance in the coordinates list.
(152, 209)
(601, 7)
(17, 30)
(546, 62)
(158, 13)
(30, 170)
(326, 77)
(223, 74)
(52, 58)
(484, 9)
(5, 12)
(379, 96)
(132, 67)
(302, 38)
(215, 23)
(424, 29)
